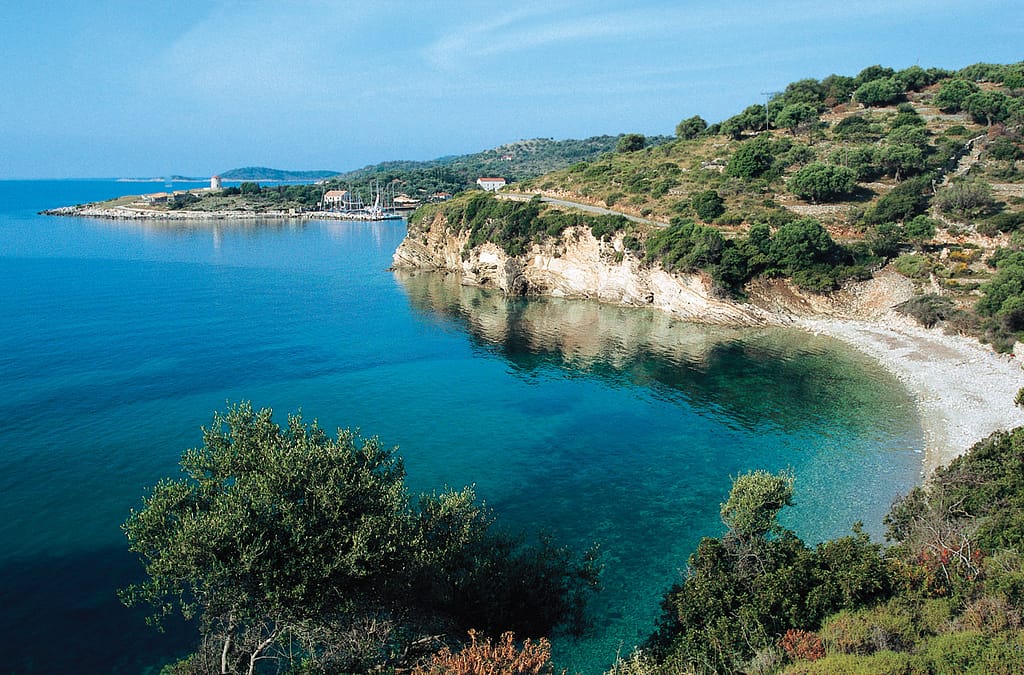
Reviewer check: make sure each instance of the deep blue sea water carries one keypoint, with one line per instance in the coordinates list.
(596, 423)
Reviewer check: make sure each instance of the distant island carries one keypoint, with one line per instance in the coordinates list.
(263, 173)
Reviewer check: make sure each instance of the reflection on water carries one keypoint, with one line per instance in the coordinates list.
(639, 421)
(755, 376)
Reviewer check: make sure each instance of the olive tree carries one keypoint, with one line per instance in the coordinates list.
(630, 143)
(879, 92)
(796, 116)
(823, 182)
(286, 543)
(708, 205)
(271, 527)
(691, 127)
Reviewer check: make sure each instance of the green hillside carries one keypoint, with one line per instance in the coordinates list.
(265, 174)
(520, 160)
(832, 178)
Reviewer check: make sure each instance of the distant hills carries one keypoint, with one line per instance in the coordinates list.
(516, 161)
(513, 161)
(264, 173)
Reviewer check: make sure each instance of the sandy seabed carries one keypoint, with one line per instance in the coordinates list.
(964, 390)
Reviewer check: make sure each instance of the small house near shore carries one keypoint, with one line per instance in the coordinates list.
(491, 184)
(336, 198)
(406, 202)
(156, 197)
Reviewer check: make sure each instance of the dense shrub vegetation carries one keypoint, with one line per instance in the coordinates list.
(514, 225)
(947, 596)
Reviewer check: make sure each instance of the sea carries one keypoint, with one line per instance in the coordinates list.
(593, 423)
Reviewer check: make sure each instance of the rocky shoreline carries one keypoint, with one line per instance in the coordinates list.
(963, 389)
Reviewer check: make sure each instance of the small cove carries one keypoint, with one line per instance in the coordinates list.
(594, 422)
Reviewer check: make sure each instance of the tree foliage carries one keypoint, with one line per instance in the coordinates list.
(905, 201)
(755, 501)
(746, 589)
(752, 159)
(965, 199)
(953, 93)
(630, 143)
(691, 127)
(708, 205)
(823, 182)
(796, 116)
(281, 536)
(882, 91)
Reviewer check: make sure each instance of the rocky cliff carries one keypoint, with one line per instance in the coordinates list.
(578, 265)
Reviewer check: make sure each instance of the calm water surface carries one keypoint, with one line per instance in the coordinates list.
(597, 423)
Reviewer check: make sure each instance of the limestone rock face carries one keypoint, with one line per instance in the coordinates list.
(578, 265)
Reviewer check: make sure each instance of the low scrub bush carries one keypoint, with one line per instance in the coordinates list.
(913, 266)
(503, 657)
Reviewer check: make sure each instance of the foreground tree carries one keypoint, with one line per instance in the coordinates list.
(282, 537)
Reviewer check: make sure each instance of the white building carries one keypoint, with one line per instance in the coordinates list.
(491, 184)
(333, 198)
(215, 183)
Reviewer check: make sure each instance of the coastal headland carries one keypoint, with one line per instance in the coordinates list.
(129, 213)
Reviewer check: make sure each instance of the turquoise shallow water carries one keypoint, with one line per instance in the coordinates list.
(597, 423)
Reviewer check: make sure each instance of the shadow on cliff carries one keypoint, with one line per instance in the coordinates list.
(756, 376)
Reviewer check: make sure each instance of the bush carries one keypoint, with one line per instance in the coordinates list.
(802, 645)
(860, 160)
(902, 203)
(966, 199)
(927, 309)
(879, 92)
(952, 94)
(691, 127)
(907, 116)
(880, 663)
(751, 160)
(913, 266)
(758, 581)
(919, 229)
(823, 183)
(686, 246)
(854, 127)
(630, 143)
(1005, 150)
(976, 653)
(883, 628)
(708, 205)
(500, 658)
(885, 239)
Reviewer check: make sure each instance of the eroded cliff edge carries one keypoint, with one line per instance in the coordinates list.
(579, 265)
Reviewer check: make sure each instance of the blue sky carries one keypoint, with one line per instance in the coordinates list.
(118, 88)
